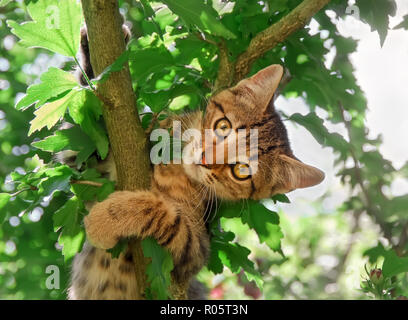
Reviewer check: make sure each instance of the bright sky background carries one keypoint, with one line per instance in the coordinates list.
(382, 74)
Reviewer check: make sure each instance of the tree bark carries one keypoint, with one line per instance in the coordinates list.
(128, 141)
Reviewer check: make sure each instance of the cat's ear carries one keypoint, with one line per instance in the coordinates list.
(299, 175)
(264, 83)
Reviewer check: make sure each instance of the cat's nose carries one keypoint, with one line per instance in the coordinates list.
(203, 161)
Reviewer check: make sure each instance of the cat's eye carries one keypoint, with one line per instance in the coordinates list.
(222, 128)
(241, 171)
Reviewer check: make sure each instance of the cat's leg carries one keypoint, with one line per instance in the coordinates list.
(142, 214)
(98, 276)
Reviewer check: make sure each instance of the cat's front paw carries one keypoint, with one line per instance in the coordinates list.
(101, 227)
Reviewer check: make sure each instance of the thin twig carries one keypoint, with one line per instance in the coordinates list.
(107, 102)
(152, 123)
(102, 98)
(84, 74)
(202, 37)
(372, 210)
(343, 260)
(403, 240)
(87, 182)
(15, 194)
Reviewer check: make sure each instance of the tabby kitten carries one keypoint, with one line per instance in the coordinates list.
(173, 210)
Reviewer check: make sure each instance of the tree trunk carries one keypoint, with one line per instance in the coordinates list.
(128, 141)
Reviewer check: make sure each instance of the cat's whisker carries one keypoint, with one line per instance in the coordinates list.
(209, 209)
(198, 193)
(213, 201)
(215, 214)
(216, 203)
(208, 205)
(200, 221)
(203, 193)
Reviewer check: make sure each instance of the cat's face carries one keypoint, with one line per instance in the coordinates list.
(269, 167)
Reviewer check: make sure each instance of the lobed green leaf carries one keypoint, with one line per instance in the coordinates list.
(54, 83)
(158, 271)
(56, 26)
(197, 13)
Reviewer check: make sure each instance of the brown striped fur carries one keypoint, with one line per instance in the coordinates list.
(175, 208)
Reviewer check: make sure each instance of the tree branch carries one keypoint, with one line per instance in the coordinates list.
(400, 248)
(128, 141)
(275, 34)
(225, 69)
(230, 73)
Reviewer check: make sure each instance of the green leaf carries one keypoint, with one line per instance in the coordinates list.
(50, 113)
(57, 179)
(232, 210)
(71, 240)
(196, 12)
(107, 188)
(403, 24)
(377, 14)
(85, 110)
(315, 126)
(231, 255)
(214, 262)
(393, 264)
(114, 67)
(120, 247)
(63, 216)
(56, 26)
(154, 60)
(92, 193)
(148, 10)
(397, 205)
(158, 271)
(374, 253)
(54, 82)
(72, 235)
(4, 200)
(280, 198)
(180, 102)
(69, 139)
(265, 223)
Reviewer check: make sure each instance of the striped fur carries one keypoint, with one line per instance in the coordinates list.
(166, 213)
(175, 209)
